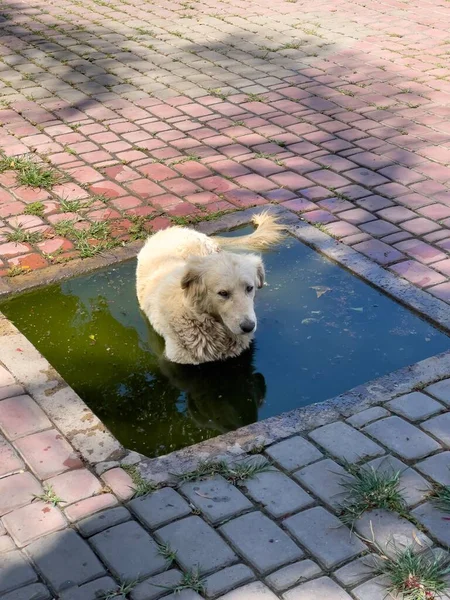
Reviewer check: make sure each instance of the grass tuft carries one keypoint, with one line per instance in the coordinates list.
(34, 208)
(233, 473)
(75, 205)
(142, 487)
(167, 553)
(217, 93)
(17, 270)
(191, 580)
(20, 236)
(415, 576)
(440, 497)
(49, 496)
(29, 172)
(256, 98)
(370, 489)
(120, 592)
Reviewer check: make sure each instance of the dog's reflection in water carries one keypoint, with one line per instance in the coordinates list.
(221, 395)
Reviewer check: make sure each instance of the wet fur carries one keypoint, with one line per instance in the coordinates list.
(178, 274)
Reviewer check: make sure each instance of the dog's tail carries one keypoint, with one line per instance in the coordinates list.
(268, 232)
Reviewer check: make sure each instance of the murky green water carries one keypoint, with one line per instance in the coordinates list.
(321, 331)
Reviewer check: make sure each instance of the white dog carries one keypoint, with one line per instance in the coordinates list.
(199, 298)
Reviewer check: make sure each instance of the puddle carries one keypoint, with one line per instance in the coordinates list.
(321, 331)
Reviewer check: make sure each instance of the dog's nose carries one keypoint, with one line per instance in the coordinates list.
(247, 326)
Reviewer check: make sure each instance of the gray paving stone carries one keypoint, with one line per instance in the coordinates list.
(92, 590)
(433, 519)
(437, 467)
(101, 521)
(216, 498)
(297, 573)
(35, 591)
(15, 571)
(375, 589)
(261, 542)
(227, 579)
(128, 551)
(156, 586)
(345, 442)
(160, 508)
(324, 479)
(293, 453)
(251, 591)
(390, 532)
(439, 427)
(328, 540)
(65, 559)
(367, 416)
(184, 595)
(415, 406)
(197, 545)
(358, 570)
(318, 588)
(440, 390)
(402, 438)
(413, 487)
(279, 495)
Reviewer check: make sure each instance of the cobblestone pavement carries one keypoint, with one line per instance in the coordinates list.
(174, 111)
(71, 529)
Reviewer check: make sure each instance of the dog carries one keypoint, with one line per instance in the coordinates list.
(199, 296)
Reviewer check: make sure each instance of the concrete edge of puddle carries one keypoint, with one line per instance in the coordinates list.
(101, 450)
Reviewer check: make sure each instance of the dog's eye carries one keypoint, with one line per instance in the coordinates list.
(224, 294)
(249, 289)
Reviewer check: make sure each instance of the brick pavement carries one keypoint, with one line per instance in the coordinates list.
(275, 535)
(168, 110)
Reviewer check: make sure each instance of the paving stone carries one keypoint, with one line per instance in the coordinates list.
(261, 542)
(358, 570)
(415, 406)
(436, 467)
(15, 571)
(17, 490)
(160, 507)
(375, 589)
(33, 521)
(9, 460)
(89, 506)
(65, 559)
(227, 579)
(48, 453)
(120, 483)
(367, 416)
(390, 531)
(325, 479)
(184, 595)
(104, 520)
(156, 586)
(440, 390)
(128, 551)
(293, 453)
(413, 487)
(6, 544)
(197, 545)
(402, 438)
(319, 588)
(35, 591)
(435, 521)
(345, 442)
(92, 590)
(328, 540)
(292, 574)
(439, 427)
(75, 485)
(252, 591)
(216, 498)
(20, 416)
(278, 494)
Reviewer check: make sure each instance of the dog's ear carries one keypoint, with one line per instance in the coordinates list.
(192, 279)
(260, 272)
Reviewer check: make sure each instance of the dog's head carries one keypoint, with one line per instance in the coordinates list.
(223, 285)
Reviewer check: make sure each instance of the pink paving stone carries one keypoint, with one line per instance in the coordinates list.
(229, 168)
(121, 173)
(396, 214)
(13, 249)
(193, 170)
(202, 198)
(181, 186)
(342, 229)
(443, 266)
(6, 379)
(244, 198)
(48, 453)
(255, 183)
(366, 177)
(75, 485)
(85, 174)
(18, 490)
(437, 153)
(414, 201)
(357, 216)
(328, 179)
(216, 184)
(32, 261)
(351, 240)
(441, 291)
(25, 221)
(392, 190)
(157, 172)
(371, 160)
(417, 273)
(87, 507)
(379, 228)
(420, 226)
(166, 201)
(299, 205)
(291, 180)
(21, 416)
(421, 251)
(145, 188)
(96, 157)
(9, 460)
(435, 211)
(279, 195)
(70, 191)
(108, 189)
(120, 483)
(33, 521)
(319, 216)
(300, 165)
(126, 202)
(379, 251)
(336, 205)
(402, 175)
(6, 544)
(12, 208)
(263, 166)
(53, 245)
